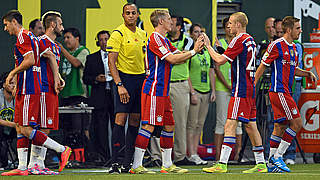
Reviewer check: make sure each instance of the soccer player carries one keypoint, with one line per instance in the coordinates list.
(241, 54)
(156, 108)
(26, 74)
(49, 98)
(282, 56)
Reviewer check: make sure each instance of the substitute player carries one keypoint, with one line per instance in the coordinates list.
(156, 108)
(241, 54)
(49, 98)
(282, 56)
(26, 74)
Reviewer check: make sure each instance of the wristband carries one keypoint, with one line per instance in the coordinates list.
(193, 52)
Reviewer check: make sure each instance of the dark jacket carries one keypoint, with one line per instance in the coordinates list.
(93, 67)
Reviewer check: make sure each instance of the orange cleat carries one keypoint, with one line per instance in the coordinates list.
(15, 172)
(64, 158)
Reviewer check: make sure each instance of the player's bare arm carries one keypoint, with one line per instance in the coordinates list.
(182, 57)
(123, 93)
(304, 73)
(54, 67)
(259, 73)
(218, 58)
(7, 123)
(27, 62)
(212, 84)
(62, 82)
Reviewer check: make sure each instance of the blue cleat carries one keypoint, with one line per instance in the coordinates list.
(279, 163)
(274, 169)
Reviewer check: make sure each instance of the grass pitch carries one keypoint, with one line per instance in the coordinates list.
(299, 172)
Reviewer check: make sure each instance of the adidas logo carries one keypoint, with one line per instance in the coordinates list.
(286, 53)
(241, 114)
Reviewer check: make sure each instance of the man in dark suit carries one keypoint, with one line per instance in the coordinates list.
(97, 74)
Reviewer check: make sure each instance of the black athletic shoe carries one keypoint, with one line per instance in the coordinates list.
(126, 168)
(185, 162)
(115, 169)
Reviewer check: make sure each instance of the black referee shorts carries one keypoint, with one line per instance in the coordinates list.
(133, 84)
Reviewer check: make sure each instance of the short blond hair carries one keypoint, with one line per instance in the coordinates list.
(156, 15)
(241, 18)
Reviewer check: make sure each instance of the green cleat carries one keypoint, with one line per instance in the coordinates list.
(173, 169)
(259, 168)
(217, 168)
(141, 170)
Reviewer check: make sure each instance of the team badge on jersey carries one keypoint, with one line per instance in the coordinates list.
(159, 118)
(294, 111)
(49, 120)
(291, 52)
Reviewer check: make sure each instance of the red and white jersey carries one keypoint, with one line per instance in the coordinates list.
(241, 54)
(158, 69)
(28, 81)
(283, 58)
(46, 73)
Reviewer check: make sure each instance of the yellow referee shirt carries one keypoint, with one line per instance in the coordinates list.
(131, 48)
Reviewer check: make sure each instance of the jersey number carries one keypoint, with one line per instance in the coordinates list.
(252, 63)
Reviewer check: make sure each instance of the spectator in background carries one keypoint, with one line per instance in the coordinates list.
(202, 77)
(97, 74)
(223, 94)
(180, 92)
(6, 113)
(126, 48)
(270, 31)
(36, 27)
(71, 69)
(269, 28)
(278, 28)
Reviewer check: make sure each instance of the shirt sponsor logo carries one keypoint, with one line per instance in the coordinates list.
(292, 63)
(35, 68)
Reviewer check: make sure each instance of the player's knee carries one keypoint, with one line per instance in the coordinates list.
(168, 128)
(296, 124)
(46, 131)
(230, 126)
(148, 127)
(121, 119)
(134, 120)
(26, 130)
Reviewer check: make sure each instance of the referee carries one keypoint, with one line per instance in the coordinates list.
(126, 48)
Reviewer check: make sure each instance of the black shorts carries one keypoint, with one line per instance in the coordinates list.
(133, 84)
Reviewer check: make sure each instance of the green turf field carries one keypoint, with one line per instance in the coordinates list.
(299, 172)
